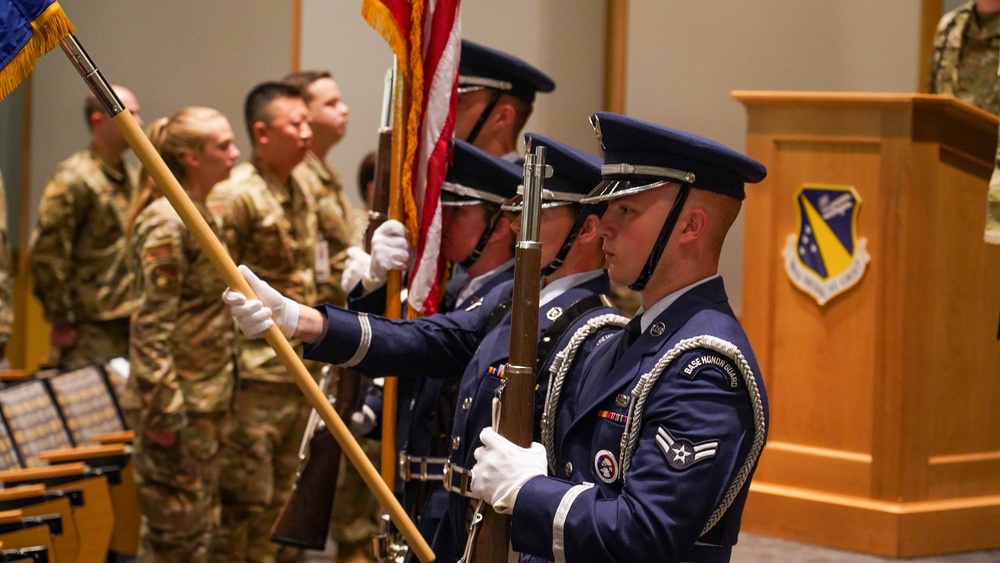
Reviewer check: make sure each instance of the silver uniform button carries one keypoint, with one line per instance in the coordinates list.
(466, 403)
(568, 468)
(456, 442)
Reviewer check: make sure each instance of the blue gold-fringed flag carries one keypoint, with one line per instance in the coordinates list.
(28, 30)
(826, 257)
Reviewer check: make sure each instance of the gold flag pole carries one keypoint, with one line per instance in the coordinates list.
(224, 265)
(394, 281)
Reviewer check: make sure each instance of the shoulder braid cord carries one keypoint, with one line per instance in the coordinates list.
(633, 425)
(560, 366)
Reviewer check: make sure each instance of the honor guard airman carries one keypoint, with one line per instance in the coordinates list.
(496, 95)
(671, 414)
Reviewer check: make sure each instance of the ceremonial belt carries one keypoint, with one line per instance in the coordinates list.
(421, 468)
(457, 479)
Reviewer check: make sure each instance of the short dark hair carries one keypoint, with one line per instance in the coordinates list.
(302, 79)
(255, 107)
(366, 173)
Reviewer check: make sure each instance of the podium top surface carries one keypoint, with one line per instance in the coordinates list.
(859, 100)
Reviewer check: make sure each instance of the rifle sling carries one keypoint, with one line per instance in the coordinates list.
(553, 334)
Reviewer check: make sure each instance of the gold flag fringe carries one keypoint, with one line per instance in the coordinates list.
(380, 18)
(48, 30)
(413, 118)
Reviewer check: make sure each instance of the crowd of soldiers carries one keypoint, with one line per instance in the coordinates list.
(647, 431)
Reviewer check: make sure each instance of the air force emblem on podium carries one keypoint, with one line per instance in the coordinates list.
(826, 257)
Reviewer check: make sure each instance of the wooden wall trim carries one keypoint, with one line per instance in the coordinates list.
(296, 50)
(615, 55)
(930, 14)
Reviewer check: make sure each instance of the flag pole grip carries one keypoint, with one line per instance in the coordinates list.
(226, 268)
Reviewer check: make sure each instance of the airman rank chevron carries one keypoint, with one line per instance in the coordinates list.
(826, 257)
(681, 453)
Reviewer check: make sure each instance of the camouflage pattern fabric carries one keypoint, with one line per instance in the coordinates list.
(354, 518)
(181, 345)
(355, 513)
(96, 342)
(271, 228)
(992, 235)
(260, 462)
(335, 221)
(966, 57)
(78, 254)
(6, 289)
(77, 248)
(178, 491)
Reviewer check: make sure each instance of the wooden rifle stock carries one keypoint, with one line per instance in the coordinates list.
(517, 392)
(304, 521)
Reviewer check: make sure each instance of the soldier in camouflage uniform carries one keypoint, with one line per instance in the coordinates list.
(181, 345)
(78, 247)
(967, 53)
(334, 214)
(6, 305)
(355, 511)
(269, 224)
(965, 65)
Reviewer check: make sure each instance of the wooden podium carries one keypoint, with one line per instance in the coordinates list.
(885, 400)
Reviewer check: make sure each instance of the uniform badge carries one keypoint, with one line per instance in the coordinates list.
(597, 131)
(606, 466)
(826, 257)
(477, 302)
(681, 453)
(657, 329)
(553, 313)
(621, 400)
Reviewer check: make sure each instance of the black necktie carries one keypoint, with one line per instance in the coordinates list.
(629, 335)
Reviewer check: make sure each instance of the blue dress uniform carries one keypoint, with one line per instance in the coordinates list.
(693, 436)
(666, 430)
(479, 385)
(474, 338)
(474, 177)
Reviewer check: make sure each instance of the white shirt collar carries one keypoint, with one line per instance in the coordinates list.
(472, 286)
(558, 287)
(649, 315)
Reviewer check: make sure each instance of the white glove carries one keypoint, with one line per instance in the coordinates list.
(256, 316)
(502, 468)
(362, 421)
(390, 251)
(357, 265)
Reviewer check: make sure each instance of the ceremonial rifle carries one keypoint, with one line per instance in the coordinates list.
(489, 533)
(304, 521)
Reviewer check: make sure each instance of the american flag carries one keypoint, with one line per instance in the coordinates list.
(426, 38)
